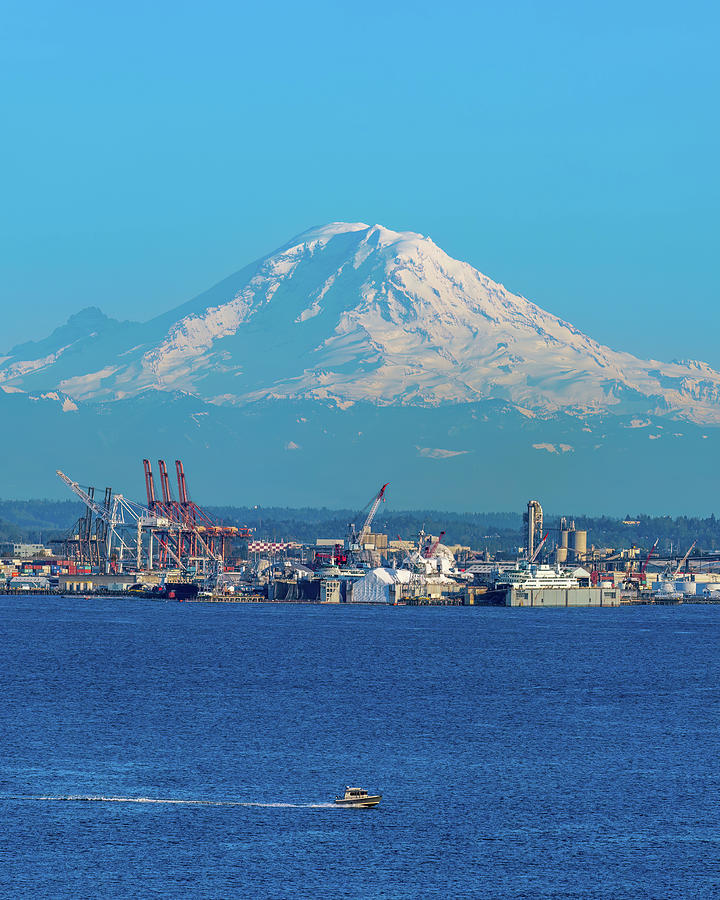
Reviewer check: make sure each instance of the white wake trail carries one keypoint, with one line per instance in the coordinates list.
(177, 801)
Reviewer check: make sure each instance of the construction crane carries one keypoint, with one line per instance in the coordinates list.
(432, 549)
(684, 559)
(356, 539)
(647, 558)
(380, 498)
(632, 582)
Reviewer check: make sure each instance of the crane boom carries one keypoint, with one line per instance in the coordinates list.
(165, 483)
(647, 558)
(182, 484)
(149, 484)
(101, 512)
(685, 558)
(539, 547)
(371, 515)
(138, 513)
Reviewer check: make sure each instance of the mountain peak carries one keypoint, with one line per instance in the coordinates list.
(79, 325)
(324, 233)
(348, 312)
(373, 235)
(90, 315)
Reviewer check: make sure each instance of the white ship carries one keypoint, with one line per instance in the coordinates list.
(532, 576)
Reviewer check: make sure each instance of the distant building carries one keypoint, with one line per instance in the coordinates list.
(111, 583)
(29, 583)
(26, 551)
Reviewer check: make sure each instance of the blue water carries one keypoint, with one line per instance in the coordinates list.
(521, 753)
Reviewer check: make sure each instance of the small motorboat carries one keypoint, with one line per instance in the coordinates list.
(358, 797)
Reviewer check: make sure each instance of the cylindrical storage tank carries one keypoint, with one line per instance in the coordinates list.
(561, 554)
(580, 543)
(564, 538)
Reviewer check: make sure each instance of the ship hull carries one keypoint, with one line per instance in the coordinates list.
(364, 803)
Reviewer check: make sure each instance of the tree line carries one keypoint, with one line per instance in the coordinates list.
(35, 521)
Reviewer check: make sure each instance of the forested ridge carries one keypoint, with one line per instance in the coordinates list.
(44, 520)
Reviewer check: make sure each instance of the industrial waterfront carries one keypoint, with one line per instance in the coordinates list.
(169, 547)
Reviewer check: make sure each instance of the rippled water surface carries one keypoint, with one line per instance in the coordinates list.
(189, 750)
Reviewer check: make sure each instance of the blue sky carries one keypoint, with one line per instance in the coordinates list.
(567, 150)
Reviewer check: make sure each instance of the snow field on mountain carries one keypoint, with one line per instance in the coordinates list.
(349, 313)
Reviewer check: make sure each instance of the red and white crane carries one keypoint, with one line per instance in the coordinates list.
(356, 539)
(432, 549)
(377, 500)
(539, 548)
(647, 558)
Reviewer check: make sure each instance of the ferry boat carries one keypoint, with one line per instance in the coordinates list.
(533, 576)
(358, 797)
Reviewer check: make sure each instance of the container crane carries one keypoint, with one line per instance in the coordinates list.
(121, 514)
(86, 498)
(149, 484)
(194, 535)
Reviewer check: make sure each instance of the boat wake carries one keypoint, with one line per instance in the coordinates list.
(176, 801)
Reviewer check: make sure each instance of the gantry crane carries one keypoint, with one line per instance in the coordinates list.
(195, 536)
(120, 515)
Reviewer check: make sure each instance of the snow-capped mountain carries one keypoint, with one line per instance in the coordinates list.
(351, 313)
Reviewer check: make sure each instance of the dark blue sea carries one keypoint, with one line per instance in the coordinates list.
(154, 749)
